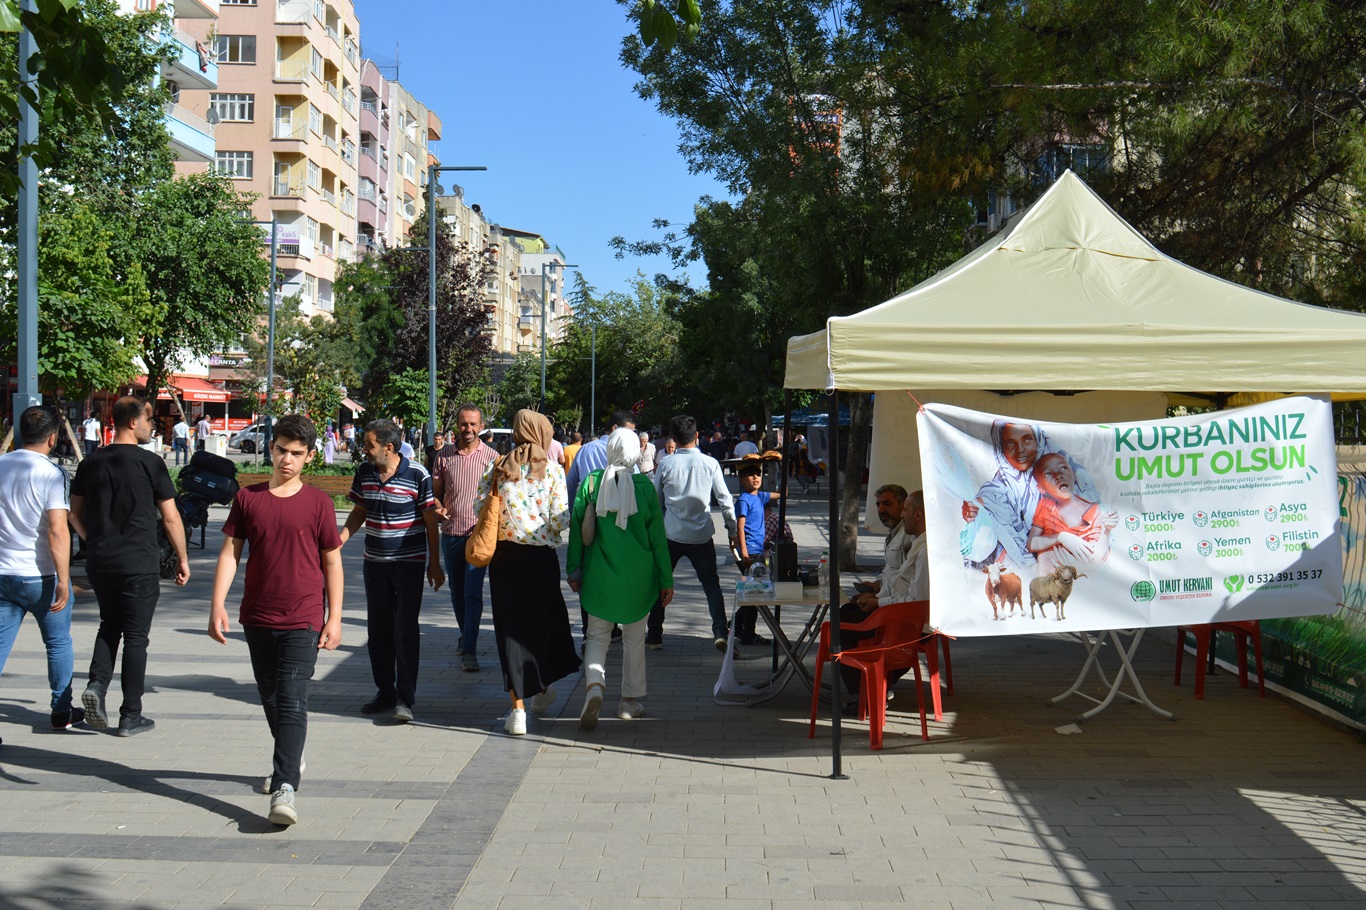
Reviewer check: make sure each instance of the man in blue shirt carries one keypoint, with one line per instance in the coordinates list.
(593, 455)
(687, 482)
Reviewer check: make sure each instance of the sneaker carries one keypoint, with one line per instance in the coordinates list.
(588, 717)
(282, 811)
(540, 703)
(515, 722)
(403, 713)
(720, 645)
(469, 663)
(379, 705)
(630, 709)
(93, 699)
(755, 641)
(131, 726)
(654, 644)
(266, 781)
(63, 720)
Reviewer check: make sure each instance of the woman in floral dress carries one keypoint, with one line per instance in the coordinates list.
(530, 620)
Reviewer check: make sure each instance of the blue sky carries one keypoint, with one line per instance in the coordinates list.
(534, 90)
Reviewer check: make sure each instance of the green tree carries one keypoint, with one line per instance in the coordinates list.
(637, 354)
(203, 268)
(520, 387)
(100, 102)
(311, 364)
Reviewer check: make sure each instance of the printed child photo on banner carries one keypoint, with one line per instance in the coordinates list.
(1036, 526)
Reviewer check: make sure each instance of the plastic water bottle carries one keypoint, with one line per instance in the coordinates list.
(823, 571)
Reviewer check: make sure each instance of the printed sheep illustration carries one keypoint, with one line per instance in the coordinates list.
(1052, 589)
(1002, 588)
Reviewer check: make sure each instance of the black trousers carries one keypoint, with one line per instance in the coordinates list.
(282, 660)
(393, 599)
(127, 604)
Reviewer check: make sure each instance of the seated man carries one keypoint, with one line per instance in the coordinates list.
(905, 575)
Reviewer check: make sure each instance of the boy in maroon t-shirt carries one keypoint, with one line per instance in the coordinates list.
(295, 557)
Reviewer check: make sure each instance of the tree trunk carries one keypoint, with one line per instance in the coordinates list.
(851, 494)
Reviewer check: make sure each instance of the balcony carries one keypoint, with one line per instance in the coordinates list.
(330, 197)
(331, 143)
(191, 136)
(296, 12)
(325, 303)
(370, 106)
(331, 32)
(367, 149)
(289, 186)
(291, 70)
(348, 151)
(303, 248)
(352, 52)
(349, 101)
(367, 193)
(328, 251)
(289, 129)
(189, 67)
(348, 204)
(333, 90)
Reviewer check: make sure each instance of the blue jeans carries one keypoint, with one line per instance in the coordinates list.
(20, 594)
(282, 662)
(467, 589)
(703, 559)
(181, 447)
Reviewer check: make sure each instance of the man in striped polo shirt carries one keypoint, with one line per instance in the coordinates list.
(393, 499)
(455, 480)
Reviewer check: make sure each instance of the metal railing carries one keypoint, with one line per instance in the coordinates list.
(291, 70)
(367, 193)
(333, 90)
(293, 11)
(288, 129)
(367, 149)
(289, 187)
(331, 143)
(331, 32)
(193, 121)
(329, 197)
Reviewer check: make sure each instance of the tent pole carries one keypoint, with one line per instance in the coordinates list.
(783, 467)
(836, 768)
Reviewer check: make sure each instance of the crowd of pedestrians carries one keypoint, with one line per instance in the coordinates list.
(632, 508)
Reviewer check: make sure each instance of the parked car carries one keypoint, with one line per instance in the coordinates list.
(248, 439)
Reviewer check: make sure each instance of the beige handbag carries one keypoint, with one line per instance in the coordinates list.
(483, 540)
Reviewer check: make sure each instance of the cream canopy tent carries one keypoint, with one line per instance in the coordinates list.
(1073, 298)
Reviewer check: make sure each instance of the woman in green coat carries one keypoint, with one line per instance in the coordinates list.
(618, 569)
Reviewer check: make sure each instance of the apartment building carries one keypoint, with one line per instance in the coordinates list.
(542, 266)
(287, 119)
(192, 67)
(375, 188)
(414, 128)
(508, 332)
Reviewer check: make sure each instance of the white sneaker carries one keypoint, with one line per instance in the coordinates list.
(540, 703)
(265, 784)
(282, 811)
(630, 709)
(515, 722)
(588, 717)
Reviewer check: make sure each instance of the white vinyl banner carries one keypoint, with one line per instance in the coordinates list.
(1044, 527)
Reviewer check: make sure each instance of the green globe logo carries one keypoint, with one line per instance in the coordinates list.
(1142, 591)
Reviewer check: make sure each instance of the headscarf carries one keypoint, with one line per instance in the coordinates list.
(531, 433)
(617, 490)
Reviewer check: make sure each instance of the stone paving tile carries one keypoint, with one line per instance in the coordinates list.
(694, 806)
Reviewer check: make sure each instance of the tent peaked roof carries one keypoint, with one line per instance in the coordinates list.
(1073, 298)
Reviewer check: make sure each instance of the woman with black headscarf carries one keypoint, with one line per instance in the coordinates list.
(530, 620)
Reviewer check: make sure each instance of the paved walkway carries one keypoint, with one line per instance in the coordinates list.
(1240, 803)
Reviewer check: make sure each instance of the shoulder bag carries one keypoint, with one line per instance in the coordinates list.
(483, 540)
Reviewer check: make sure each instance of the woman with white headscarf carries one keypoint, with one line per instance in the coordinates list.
(530, 620)
(1011, 497)
(619, 564)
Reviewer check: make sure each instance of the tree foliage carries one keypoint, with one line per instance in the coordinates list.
(311, 364)
(202, 265)
(98, 98)
(382, 305)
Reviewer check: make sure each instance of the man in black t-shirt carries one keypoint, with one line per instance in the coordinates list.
(116, 497)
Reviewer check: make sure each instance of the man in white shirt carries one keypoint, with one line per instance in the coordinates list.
(201, 432)
(647, 454)
(35, 551)
(90, 433)
(687, 482)
(180, 439)
(905, 572)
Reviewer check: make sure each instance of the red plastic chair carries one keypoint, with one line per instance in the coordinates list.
(1204, 635)
(898, 642)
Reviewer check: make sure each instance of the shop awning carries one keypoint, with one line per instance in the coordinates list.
(191, 388)
(352, 406)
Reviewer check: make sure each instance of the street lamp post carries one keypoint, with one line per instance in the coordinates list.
(27, 393)
(545, 303)
(432, 171)
(270, 334)
(593, 385)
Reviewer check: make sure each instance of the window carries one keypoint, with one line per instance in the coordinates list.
(235, 48)
(237, 165)
(311, 229)
(409, 167)
(237, 2)
(317, 63)
(315, 175)
(315, 119)
(233, 107)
